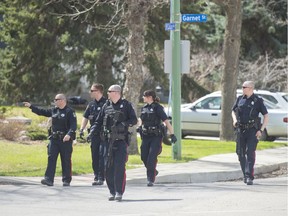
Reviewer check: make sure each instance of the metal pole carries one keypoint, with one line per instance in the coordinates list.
(176, 77)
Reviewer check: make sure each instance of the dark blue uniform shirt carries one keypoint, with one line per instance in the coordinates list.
(150, 113)
(93, 109)
(248, 108)
(63, 120)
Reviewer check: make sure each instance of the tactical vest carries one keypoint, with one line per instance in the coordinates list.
(112, 116)
(149, 117)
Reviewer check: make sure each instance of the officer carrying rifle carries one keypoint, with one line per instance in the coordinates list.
(245, 115)
(61, 136)
(113, 121)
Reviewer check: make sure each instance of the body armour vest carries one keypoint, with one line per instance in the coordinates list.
(149, 117)
(113, 116)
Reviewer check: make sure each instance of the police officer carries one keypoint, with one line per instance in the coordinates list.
(112, 122)
(245, 114)
(152, 131)
(97, 147)
(62, 134)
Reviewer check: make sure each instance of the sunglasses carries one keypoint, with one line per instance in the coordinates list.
(112, 91)
(57, 99)
(245, 87)
(93, 90)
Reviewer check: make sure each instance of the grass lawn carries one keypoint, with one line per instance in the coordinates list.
(18, 159)
(30, 159)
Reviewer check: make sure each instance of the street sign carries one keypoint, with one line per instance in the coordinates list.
(194, 17)
(169, 26)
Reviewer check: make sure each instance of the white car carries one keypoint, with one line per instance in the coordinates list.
(203, 118)
(284, 95)
(276, 97)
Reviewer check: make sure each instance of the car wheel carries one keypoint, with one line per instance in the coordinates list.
(265, 137)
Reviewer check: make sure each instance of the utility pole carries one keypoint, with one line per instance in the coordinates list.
(175, 17)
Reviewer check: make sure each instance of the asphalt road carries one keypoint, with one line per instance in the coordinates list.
(267, 197)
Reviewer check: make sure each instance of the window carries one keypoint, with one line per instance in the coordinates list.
(213, 103)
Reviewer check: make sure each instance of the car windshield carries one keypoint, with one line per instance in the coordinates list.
(270, 105)
(285, 96)
(268, 97)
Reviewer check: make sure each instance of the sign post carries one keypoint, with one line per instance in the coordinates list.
(175, 76)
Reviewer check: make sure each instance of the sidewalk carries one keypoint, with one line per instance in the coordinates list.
(205, 170)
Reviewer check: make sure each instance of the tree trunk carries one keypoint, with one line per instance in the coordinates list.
(231, 59)
(104, 69)
(136, 20)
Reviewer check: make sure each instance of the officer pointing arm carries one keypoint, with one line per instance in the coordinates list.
(64, 124)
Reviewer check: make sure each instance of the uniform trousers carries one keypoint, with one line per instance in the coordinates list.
(248, 144)
(151, 147)
(116, 172)
(97, 151)
(56, 147)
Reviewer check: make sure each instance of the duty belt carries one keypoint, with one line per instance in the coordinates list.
(248, 125)
(151, 130)
(57, 135)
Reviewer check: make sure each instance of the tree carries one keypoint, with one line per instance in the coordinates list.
(26, 71)
(232, 43)
(136, 20)
(46, 53)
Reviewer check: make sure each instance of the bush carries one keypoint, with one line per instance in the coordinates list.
(3, 111)
(11, 130)
(37, 133)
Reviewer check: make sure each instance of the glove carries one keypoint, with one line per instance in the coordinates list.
(89, 137)
(173, 138)
(81, 134)
(139, 129)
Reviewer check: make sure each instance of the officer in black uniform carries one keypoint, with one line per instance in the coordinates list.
(112, 123)
(61, 135)
(152, 131)
(245, 114)
(97, 147)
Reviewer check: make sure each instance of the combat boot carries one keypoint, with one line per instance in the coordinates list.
(118, 197)
(249, 181)
(46, 182)
(66, 184)
(150, 184)
(111, 197)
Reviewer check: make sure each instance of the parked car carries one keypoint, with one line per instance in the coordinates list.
(275, 97)
(284, 95)
(203, 118)
(77, 100)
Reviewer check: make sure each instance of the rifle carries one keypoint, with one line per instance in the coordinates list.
(112, 136)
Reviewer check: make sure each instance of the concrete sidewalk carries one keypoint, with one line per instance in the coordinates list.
(207, 169)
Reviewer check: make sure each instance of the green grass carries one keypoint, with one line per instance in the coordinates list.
(30, 160)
